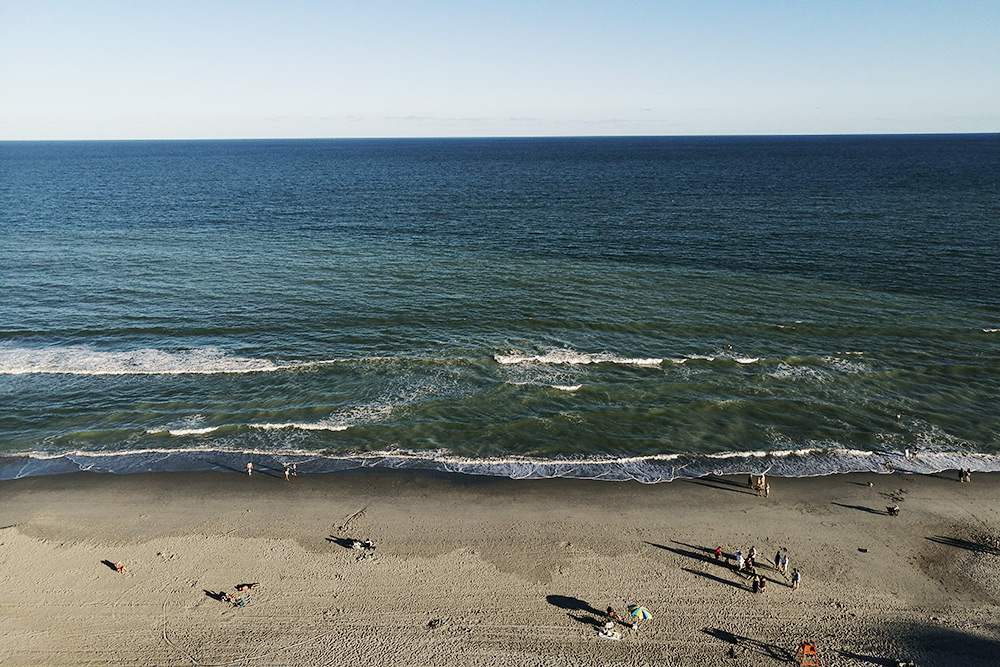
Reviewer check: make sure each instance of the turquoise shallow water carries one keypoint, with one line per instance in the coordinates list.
(612, 308)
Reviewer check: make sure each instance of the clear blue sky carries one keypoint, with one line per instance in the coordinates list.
(371, 68)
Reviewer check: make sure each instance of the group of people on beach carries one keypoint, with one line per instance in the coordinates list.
(608, 630)
(242, 595)
(746, 564)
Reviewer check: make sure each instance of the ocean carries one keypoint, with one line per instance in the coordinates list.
(644, 308)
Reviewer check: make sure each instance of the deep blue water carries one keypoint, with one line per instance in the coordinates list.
(603, 307)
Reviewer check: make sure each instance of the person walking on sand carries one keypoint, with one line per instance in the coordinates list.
(740, 562)
(718, 553)
(755, 585)
(777, 560)
(287, 473)
(796, 579)
(783, 566)
(767, 490)
(249, 468)
(763, 583)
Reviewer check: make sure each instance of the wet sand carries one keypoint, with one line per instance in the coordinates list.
(484, 571)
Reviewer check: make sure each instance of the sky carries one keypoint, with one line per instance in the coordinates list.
(439, 68)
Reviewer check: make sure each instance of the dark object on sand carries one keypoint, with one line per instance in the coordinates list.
(892, 510)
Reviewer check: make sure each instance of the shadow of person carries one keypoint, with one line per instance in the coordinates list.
(773, 651)
(977, 547)
(860, 508)
(216, 596)
(587, 620)
(709, 484)
(345, 542)
(882, 662)
(110, 564)
(570, 604)
(715, 578)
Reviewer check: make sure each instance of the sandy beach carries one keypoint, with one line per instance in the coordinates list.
(484, 571)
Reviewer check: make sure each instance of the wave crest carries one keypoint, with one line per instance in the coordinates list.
(569, 357)
(85, 360)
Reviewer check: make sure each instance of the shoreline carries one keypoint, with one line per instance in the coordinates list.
(476, 570)
(646, 469)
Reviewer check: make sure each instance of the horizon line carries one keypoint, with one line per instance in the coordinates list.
(526, 136)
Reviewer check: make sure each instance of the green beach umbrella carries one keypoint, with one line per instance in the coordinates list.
(639, 611)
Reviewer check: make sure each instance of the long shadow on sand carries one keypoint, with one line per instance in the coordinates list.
(570, 604)
(720, 484)
(715, 578)
(772, 651)
(861, 508)
(709, 553)
(341, 541)
(882, 662)
(588, 620)
(977, 547)
(704, 557)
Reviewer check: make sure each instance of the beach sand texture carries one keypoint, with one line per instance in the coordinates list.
(485, 571)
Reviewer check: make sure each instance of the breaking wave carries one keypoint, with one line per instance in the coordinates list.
(802, 462)
(571, 358)
(85, 360)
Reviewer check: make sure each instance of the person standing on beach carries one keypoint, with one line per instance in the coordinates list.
(777, 560)
(287, 473)
(739, 560)
(796, 579)
(249, 468)
(783, 565)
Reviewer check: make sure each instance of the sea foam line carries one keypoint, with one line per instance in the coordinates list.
(84, 360)
(184, 431)
(302, 426)
(803, 462)
(571, 358)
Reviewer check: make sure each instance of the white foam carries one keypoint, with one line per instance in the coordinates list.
(85, 360)
(193, 431)
(569, 357)
(816, 459)
(991, 330)
(707, 357)
(567, 387)
(302, 426)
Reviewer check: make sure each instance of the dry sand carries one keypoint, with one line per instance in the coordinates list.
(482, 571)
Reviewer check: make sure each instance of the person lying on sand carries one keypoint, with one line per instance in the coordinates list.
(120, 568)
(247, 587)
